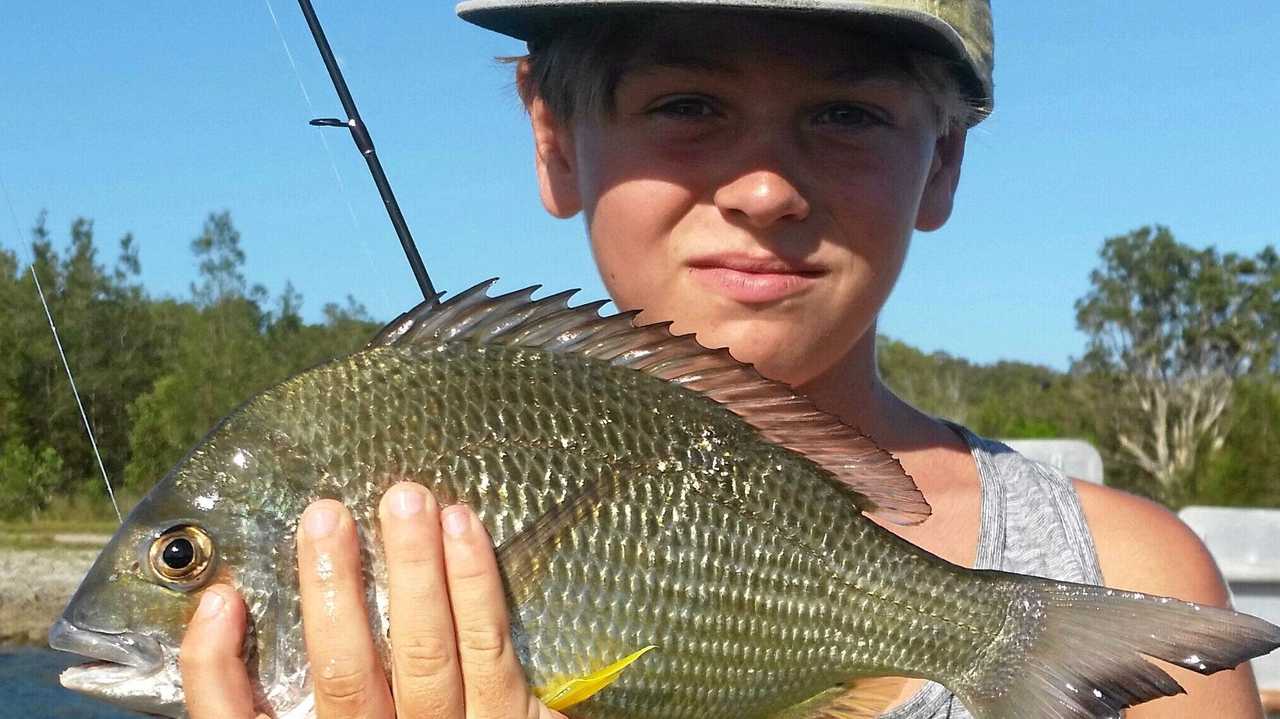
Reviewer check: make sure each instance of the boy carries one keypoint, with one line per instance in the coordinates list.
(753, 171)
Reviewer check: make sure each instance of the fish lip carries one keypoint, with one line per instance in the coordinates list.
(756, 263)
(128, 649)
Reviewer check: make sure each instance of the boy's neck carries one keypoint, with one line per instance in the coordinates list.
(853, 391)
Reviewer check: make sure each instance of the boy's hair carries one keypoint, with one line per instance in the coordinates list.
(576, 71)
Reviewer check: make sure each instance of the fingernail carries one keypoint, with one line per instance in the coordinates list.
(457, 519)
(407, 500)
(211, 604)
(319, 521)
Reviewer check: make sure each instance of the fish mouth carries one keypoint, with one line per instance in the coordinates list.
(123, 653)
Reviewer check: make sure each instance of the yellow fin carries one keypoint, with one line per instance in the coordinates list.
(565, 694)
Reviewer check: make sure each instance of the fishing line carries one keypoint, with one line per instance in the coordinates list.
(62, 354)
(342, 186)
(84, 417)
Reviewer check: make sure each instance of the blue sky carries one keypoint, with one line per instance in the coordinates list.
(147, 115)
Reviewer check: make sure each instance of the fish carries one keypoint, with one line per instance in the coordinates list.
(678, 537)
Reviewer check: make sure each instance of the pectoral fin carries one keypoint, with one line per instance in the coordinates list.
(565, 694)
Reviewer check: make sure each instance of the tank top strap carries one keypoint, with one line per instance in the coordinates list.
(1032, 521)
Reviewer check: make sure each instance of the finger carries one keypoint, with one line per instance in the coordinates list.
(345, 666)
(426, 677)
(214, 678)
(493, 682)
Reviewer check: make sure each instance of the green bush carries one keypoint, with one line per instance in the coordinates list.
(27, 478)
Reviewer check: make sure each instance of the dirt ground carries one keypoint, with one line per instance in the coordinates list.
(35, 584)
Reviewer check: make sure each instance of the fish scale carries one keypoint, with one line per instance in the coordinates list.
(643, 492)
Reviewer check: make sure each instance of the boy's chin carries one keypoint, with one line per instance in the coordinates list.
(792, 374)
(784, 346)
(783, 359)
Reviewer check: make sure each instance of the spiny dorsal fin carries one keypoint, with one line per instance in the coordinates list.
(772, 408)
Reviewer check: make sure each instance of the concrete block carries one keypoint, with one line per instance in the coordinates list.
(1075, 457)
(1246, 545)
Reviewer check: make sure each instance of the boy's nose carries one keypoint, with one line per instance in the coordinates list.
(762, 198)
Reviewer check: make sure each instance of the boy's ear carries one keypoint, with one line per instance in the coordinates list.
(940, 187)
(556, 162)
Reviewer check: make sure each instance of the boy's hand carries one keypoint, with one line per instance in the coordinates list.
(450, 634)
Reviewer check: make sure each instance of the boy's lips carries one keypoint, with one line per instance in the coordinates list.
(753, 279)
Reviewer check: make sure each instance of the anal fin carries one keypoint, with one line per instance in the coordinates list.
(859, 699)
(564, 694)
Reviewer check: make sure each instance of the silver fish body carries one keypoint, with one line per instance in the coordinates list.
(642, 492)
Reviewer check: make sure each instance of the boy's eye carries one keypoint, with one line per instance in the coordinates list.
(847, 116)
(686, 108)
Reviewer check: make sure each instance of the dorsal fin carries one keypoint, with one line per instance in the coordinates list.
(772, 408)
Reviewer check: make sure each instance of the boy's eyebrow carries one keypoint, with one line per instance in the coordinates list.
(851, 73)
(858, 72)
(695, 63)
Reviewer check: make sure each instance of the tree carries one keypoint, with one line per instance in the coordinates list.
(27, 478)
(1005, 399)
(934, 383)
(102, 321)
(1171, 329)
(225, 348)
(220, 261)
(1246, 471)
(154, 374)
(217, 359)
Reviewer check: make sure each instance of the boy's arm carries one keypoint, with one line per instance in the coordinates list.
(1143, 547)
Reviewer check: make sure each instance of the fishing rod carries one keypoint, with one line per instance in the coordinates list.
(364, 143)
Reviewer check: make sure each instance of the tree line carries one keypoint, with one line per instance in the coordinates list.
(154, 373)
(1179, 386)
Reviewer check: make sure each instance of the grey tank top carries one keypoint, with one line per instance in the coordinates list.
(1032, 524)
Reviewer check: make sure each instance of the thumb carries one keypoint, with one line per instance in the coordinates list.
(214, 678)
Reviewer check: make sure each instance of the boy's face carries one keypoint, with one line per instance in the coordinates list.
(758, 183)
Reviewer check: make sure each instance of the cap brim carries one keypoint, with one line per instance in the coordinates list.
(529, 20)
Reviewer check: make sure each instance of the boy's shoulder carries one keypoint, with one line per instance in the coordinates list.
(1142, 546)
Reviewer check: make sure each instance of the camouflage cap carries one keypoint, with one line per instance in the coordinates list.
(959, 30)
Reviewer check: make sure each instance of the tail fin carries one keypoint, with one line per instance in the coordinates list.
(1070, 651)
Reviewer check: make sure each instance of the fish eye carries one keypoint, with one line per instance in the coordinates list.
(182, 556)
(178, 554)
